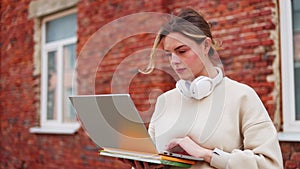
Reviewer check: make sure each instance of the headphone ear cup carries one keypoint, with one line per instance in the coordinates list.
(201, 87)
(184, 87)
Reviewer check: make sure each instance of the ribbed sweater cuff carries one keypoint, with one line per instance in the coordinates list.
(219, 158)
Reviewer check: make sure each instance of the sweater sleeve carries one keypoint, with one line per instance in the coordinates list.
(151, 131)
(158, 109)
(261, 148)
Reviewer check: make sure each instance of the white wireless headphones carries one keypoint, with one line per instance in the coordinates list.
(200, 87)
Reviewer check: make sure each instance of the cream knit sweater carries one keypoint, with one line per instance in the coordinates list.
(231, 119)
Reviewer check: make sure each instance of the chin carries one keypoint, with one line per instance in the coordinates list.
(187, 78)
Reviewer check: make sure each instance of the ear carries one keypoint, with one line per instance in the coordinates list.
(207, 44)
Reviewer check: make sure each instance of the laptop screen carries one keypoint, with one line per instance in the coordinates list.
(112, 121)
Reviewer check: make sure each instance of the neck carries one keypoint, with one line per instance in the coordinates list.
(209, 71)
(212, 72)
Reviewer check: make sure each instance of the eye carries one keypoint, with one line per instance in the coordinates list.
(181, 51)
(168, 54)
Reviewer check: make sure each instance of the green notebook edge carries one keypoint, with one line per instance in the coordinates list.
(155, 161)
(177, 164)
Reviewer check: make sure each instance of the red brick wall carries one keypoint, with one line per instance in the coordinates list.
(291, 154)
(18, 147)
(244, 27)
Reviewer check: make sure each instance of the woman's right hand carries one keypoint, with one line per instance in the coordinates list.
(190, 147)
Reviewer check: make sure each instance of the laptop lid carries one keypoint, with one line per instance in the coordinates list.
(112, 121)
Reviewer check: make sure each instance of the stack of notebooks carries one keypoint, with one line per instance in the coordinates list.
(150, 158)
(114, 124)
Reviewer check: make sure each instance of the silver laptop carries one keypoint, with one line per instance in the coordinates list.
(113, 122)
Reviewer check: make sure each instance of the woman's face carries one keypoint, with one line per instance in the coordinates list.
(185, 55)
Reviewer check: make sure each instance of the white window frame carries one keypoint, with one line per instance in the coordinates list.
(291, 126)
(54, 126)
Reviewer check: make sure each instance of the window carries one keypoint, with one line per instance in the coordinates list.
(290, 60)
(296, 38)
(58, 54)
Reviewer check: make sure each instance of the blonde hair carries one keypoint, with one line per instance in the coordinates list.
(190, 24)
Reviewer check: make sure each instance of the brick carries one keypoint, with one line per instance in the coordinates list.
(296, 156)
(249, 52)
(291, 165)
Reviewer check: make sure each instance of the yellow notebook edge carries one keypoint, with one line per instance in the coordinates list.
(164, 157)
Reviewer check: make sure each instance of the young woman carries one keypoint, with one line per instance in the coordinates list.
(208, 115)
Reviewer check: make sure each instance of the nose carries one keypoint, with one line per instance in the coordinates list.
(175, 59)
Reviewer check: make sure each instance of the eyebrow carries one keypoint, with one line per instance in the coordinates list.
(179, 47)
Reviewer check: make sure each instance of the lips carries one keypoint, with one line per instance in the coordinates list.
(180, 70)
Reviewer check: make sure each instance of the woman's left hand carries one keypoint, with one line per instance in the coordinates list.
(192, 148)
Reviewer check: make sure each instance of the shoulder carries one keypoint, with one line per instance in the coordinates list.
(163, 100)
(238, 88)
(248, 101)
(173, 93)
(171, 97)
(230, 83)
(242, 94)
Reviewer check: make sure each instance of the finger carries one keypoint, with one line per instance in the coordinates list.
(158, 166)
(170, 145)
(153, 166)
(126, 161)
(146, 165)
(138, 165)
(173, 143)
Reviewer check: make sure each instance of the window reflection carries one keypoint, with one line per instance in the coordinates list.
(297, 47)
(69, 64)
(296, 40)
(52, 81)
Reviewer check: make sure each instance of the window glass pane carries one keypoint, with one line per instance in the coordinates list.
(296, 34)
(69, 53)
(296, 14)
(61, 28)
(297, 92)
(52, 87)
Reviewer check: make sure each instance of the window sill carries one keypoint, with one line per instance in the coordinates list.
(289, 136)
(60, 129)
